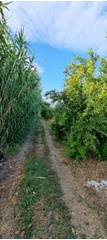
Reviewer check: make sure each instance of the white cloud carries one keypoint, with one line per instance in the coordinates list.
(71, 25)
(39, 68)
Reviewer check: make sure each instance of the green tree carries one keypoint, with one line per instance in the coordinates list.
(81, 116)
(46, 110)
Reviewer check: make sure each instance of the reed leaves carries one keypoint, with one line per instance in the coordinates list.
(20, 93)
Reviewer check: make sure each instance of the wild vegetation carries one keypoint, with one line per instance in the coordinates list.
(19, 84)
(81, 109)
(39, 204)
(46, 110)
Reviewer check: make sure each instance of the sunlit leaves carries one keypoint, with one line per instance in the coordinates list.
(83, 115)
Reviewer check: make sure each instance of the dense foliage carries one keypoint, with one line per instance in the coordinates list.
(46, 110)
(19, 84)
(81, 111)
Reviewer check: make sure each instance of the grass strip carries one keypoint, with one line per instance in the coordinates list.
(43, 212)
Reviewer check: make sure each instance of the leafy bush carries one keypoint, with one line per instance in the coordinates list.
(103, 150)
(46, 111)
(81, 119)
(82, 140)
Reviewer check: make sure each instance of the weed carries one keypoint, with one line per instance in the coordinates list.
(11, 150)
(80, 199)
(83, 236)
(86, 223)
(105, 225)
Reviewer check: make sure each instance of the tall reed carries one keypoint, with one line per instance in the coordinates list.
(20, 93)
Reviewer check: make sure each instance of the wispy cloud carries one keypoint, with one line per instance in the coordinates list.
(70, 25)
(39, 68)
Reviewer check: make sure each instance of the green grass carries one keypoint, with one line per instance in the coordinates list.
(86, 223)
(80, 199)
(11, 150)
(83, 236)
(43, 212)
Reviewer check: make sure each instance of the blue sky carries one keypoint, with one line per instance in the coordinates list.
(58, 30)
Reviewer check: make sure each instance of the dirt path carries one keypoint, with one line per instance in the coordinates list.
(10, 176)
(86, 219)
(87, 208)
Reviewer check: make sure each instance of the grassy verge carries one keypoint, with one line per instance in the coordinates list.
(43, 213)
(11, 149)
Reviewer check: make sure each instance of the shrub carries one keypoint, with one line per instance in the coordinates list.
(46, 111)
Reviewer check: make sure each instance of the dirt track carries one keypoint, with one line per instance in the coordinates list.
(87, 208)
(84, 216)
(10, 175)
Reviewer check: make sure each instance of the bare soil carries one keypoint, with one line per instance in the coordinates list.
(11, 173)
(88, 208)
